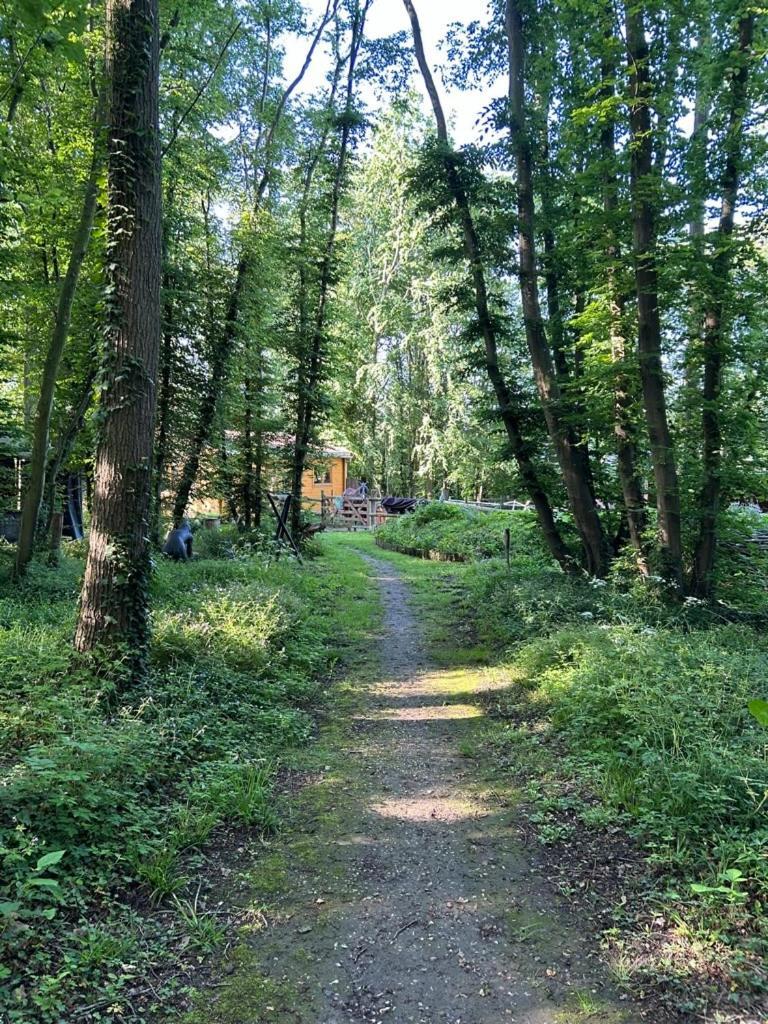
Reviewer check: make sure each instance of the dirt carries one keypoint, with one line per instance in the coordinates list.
(400, 892)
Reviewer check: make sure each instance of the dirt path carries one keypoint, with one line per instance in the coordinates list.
(401, 893)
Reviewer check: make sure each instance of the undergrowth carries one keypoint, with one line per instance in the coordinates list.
(450, 533)
(104, 809)
(644, 701)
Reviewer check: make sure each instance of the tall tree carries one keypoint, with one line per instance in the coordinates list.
(624, 427)
(714, 334)
(30, 512)
(114, 605)
(508, 411)
(644, 192)
(264, 162)
(571, 452)
(314, 324)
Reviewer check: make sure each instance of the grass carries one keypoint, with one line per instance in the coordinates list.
(107, 813)
(637, 705)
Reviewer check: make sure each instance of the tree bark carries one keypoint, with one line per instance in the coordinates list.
(572, 456)
(114, 608)
(508, 406)
(714, 337)
(643, 185)
(30, 512)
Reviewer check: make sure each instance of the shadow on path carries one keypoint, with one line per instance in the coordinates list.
(402, 895)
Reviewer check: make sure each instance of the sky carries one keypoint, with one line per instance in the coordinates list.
(389, 16)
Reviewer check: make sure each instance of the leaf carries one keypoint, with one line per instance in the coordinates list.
(6, 909)
(759, 710)
(733, 875)
(44, 883)
(49, 859)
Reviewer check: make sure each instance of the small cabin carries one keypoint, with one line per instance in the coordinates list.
(327, 474)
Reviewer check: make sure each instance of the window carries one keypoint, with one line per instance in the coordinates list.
(322, 474)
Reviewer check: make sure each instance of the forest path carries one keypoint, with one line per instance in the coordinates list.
(400, 892)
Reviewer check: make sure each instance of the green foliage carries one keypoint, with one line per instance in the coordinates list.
(98, 798)
(654, 701)
(659, 718)
(450, 533)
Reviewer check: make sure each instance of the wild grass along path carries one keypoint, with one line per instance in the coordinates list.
(400, 893)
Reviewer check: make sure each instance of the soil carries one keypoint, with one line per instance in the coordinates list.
(401, 893)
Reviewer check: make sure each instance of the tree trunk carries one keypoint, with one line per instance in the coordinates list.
(508, 406)
(36, 485)
(248, 453)
(165, 394)
(623, 403)
(64, 447)
(114, 608)
(572, 456)
(714, 333)
(642, 182)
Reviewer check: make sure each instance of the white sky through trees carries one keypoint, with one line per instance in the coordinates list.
(389, 16)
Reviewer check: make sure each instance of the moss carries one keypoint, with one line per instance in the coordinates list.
(252, 997)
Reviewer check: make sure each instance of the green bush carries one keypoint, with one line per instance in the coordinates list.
(446, 532)
(651, 698)
(660, 720)
(96, 799)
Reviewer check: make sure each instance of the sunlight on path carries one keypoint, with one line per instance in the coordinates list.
(404, 895)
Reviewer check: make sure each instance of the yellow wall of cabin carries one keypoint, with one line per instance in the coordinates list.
(337, 486)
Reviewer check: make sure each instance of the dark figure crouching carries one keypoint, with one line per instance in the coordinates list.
(178, 544)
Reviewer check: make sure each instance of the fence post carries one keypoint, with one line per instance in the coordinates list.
(508, 546)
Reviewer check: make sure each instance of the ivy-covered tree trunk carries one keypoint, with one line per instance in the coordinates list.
(643, 185)
(114, 604)
(572, 455)
(715, 322)
(30, 512)
(508, 406)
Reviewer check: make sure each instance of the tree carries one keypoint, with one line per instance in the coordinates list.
(644, 187)
(508, 410)
(313, 323)
(714, 339)
(571, 451)
(39, 458)
(114, 605)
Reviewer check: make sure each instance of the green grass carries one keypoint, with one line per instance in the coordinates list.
(105, 811)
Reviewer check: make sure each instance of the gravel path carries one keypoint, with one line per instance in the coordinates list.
(410, 899)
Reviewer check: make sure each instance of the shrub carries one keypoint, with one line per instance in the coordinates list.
(95, 798)
(450, 533)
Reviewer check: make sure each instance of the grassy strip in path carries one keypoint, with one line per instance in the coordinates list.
(625, 721)
(118, 824)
